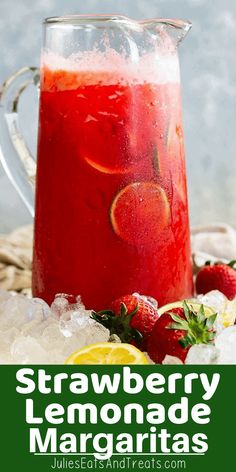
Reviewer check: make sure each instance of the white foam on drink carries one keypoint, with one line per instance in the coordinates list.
(110, 67)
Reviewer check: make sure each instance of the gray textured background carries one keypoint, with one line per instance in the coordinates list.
(208, 64)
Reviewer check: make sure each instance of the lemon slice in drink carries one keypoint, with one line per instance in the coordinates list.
(195, 306)
(107, 353)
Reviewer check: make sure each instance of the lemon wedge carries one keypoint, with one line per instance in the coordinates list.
(195, 306)
(107, 353)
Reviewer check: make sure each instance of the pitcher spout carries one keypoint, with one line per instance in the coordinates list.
(175, 29)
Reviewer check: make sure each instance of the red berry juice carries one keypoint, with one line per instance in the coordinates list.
(111, 200)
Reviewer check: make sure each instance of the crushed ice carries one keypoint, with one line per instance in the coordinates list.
(31, 332)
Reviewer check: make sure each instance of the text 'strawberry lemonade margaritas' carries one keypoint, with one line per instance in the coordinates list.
(111, 200)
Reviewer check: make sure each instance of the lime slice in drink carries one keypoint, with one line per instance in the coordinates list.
(140, 212)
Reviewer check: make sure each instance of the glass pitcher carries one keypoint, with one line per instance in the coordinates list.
(111, 211)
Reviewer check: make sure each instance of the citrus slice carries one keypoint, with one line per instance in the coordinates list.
(175, 156)
(108, 169)
(107, 353)
(195, 306)
(140, 212)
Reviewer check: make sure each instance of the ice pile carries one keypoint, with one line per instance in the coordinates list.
(31, 332)
(222, 352)
(225, 309)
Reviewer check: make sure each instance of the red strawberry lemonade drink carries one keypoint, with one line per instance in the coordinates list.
(111, 200)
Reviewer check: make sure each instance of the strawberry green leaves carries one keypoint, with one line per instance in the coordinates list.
(119, 325)
(198, 327)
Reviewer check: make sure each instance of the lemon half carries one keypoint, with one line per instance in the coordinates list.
(107, 353)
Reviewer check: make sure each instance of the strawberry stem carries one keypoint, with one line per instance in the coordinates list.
(199, 328)
(232, 263)
(119, 324)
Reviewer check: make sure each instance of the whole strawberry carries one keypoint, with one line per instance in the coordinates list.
(220, 277)
(131, 317)
(177, 330)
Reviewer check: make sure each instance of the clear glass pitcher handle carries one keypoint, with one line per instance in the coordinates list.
(15, 155)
